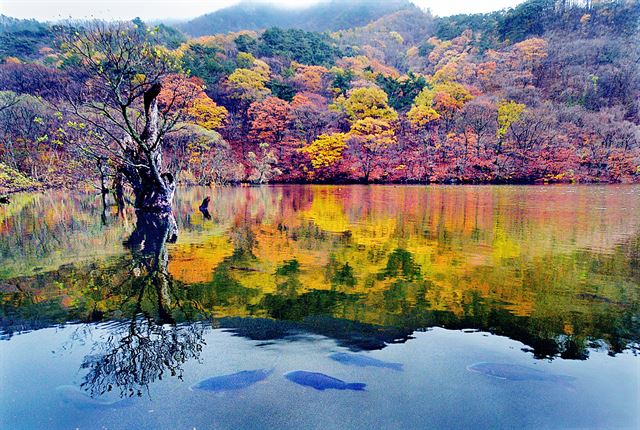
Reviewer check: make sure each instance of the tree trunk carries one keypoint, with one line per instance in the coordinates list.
(153, 189)
(151, 194)
(103, 176)
(118, 190)
(148, 245)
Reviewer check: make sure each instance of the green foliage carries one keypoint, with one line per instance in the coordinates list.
(450, 27)
(298, 45)
(401, 264)
(289, 267)
(170, 37)
(341, 80)
(535, 17)
(302, 306)
(165, 35)
(514, 25)
(526, 19)
(22, 38)
(281, 89)
(245, 43)
(207, 63)
(426, 47)
(344, 275)
(401, 91)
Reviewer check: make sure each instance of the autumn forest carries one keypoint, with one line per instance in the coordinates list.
(545, 92)
(319, 214)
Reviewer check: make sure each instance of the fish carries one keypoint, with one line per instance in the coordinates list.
(234, 381)
(515, 372)
(74, 396)
(363, 361)
(322, 382)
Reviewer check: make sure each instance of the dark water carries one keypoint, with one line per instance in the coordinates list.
(541, 283)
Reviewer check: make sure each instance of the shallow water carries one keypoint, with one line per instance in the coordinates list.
(282, 277)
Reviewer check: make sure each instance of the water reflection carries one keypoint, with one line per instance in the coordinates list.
(137, 353)
(150, 344)
(556, 268)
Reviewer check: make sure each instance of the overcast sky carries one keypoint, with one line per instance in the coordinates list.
(47, 10)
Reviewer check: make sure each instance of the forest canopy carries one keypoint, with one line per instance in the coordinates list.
(547, 91)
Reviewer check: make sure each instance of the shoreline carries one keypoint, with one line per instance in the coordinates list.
(6, 192)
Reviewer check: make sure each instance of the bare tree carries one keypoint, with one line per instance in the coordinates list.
(119, 73)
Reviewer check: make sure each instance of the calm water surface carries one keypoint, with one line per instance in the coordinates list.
(108, 320)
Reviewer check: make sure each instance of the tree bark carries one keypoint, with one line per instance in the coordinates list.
(153, 188)
(118, 190)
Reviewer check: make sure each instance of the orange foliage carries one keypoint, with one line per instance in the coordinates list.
(310, 78)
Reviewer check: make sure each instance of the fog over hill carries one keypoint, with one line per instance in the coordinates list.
(324, 16)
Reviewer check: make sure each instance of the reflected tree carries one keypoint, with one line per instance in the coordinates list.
(151, 344)
(244, 241)
(150, 258)
(340, 275)
(287, 278)
(401, 264)
(138, 353)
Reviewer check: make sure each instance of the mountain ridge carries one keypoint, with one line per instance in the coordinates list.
(330, 15)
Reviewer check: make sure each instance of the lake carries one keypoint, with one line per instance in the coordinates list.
(457, 306)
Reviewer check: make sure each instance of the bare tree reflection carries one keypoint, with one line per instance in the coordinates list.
(150, 345)
(140, 352)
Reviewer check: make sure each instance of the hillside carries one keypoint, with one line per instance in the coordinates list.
(325, 16)
(547, 91)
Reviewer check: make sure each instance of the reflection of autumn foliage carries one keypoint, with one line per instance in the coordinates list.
(512, 260)
(137, 353)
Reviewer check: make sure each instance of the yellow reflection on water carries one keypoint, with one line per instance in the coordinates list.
(510, 244)
(533, 251)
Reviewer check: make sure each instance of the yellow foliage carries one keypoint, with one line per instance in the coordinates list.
(397, 37)
(262, 69)
(369, 102)
(442, 99)
(248, 84)
(421, 115)
(207, 113)
(245, 59)
(138, 79)
(413, 52)
(532, 50)
(326, 150)
(375, 133)
(508, 113)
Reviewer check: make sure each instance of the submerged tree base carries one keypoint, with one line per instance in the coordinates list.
(153, 231)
